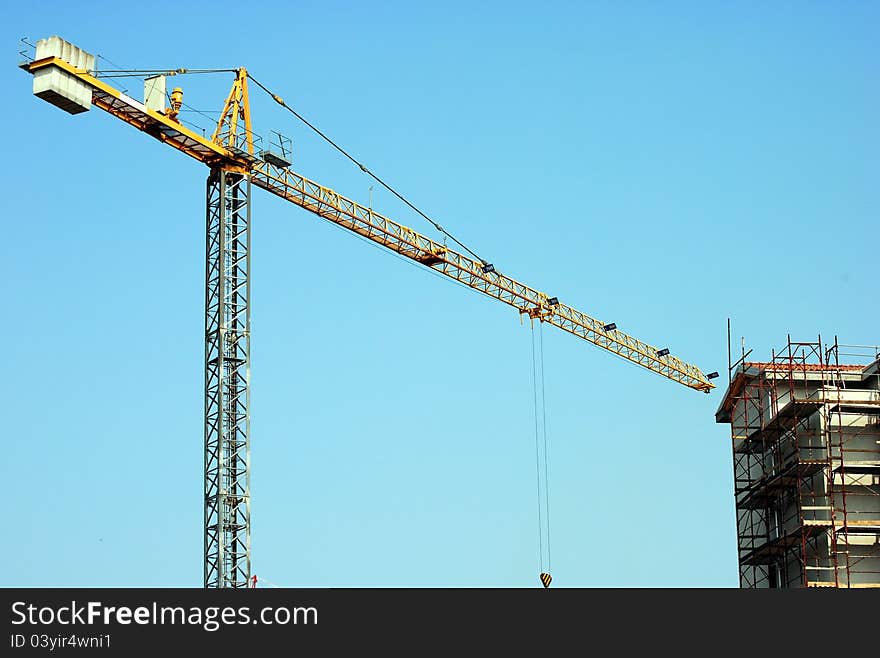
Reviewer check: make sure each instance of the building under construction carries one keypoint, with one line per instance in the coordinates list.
(805, 431)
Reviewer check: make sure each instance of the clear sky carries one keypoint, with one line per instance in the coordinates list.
(665, 166)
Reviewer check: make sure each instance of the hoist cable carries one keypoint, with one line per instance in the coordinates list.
(363, 168)
(546, 442)
(142, 73)
(537, 454)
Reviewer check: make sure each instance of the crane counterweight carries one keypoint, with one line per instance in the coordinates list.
(58, 86)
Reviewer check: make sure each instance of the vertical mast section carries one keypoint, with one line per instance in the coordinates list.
(227, 353)
(227, 381)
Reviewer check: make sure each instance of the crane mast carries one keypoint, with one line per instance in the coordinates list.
(227, 381)
(227, 356)
(64, 76)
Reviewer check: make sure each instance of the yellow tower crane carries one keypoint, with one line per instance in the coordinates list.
(66, 76)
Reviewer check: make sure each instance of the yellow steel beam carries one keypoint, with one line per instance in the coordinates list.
(149, 121)
(237, 108)
(246, 107)
(344, 212)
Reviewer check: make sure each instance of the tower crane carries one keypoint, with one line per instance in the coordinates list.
(66, 76)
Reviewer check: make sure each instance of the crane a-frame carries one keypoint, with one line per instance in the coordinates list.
(66, 76)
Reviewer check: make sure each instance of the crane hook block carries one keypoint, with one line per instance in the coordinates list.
(545, 579)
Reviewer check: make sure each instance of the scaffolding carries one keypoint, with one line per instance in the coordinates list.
(805, 430)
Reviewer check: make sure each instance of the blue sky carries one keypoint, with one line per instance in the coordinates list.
(665, 167)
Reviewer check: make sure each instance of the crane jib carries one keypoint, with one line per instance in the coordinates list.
(326, 203)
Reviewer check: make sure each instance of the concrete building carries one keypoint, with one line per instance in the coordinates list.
(805, 432)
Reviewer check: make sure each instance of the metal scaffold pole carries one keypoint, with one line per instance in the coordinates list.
(227, 381)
